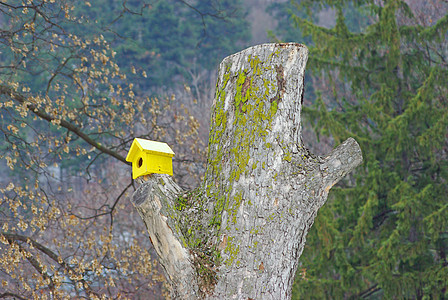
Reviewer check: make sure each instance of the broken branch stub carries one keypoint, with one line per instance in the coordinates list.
(241, 232)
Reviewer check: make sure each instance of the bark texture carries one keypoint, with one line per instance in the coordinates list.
(240, 234)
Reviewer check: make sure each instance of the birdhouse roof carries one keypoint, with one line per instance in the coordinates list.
(142, 145)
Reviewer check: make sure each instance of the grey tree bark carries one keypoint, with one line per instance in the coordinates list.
(241, 233)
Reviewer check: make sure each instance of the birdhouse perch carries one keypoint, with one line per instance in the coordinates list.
(150, 157)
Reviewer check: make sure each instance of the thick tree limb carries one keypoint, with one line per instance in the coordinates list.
(155, 201)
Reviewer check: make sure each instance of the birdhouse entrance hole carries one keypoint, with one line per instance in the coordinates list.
(140, 162)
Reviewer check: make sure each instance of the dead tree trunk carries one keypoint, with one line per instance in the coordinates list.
(240, 234)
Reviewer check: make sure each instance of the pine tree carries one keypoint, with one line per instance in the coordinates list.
(224, 30)
(386, 85)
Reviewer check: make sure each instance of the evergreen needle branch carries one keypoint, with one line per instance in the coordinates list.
(371, 290)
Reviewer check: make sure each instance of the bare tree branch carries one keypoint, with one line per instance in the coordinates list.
(12, 295)
(17, 237)
(5, 90)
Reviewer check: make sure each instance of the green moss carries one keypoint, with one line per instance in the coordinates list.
(195, 237)
(232, 250)
(255, 64)
(274, 108)
(253, 115)
(251, 120)
(255, 245)
(188, 224)
(236, 203)
(253, 231)
(221, 205)
(204, 263)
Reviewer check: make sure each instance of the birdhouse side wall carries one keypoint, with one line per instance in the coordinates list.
(157, 163)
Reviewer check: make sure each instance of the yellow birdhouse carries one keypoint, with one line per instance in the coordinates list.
(150, 157)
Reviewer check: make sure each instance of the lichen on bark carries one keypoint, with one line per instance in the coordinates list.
(245, 227)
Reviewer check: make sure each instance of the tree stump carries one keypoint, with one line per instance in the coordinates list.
(241, 233)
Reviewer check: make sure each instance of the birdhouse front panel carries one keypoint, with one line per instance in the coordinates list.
(150, 157)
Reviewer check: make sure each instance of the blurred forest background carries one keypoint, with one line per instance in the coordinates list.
(79, 80)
